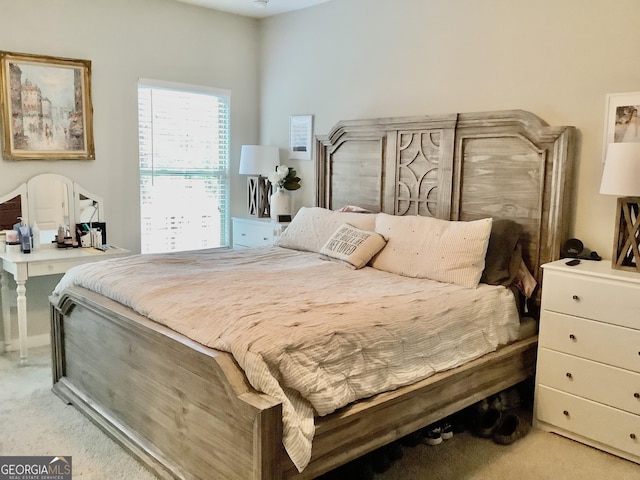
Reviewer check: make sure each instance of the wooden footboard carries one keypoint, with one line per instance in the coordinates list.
(187, 411)
(184, 410)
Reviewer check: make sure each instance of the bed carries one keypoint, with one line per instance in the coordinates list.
(188, 410)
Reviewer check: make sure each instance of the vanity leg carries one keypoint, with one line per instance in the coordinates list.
(6, 312)
(22, 320)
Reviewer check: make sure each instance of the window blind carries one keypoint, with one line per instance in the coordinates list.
(184, 166)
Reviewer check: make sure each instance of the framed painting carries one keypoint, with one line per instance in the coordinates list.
(300, 137)
(621, 119)
(46, 108)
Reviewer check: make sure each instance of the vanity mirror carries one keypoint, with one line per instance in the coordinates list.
(50, 200)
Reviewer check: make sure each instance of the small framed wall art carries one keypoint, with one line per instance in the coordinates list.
(46, 107)
(300, 136)
(621, 119)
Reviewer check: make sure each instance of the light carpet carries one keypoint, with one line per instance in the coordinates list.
(33, 421)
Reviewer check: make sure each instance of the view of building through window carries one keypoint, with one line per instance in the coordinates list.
(184, 167)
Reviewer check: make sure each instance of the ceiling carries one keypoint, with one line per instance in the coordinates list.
(250, 9)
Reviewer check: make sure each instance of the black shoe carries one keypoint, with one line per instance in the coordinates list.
(380, 460)
(488, 422)
(432, 435)
(412, 439)
(446, 431)
(395, 451)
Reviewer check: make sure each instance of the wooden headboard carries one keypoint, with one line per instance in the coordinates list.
(465, 166)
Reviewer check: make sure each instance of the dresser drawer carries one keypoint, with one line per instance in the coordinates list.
(602, 383)
(247, 233)
(618, 429)
(596, 298)
(53, 267)
(601, 342)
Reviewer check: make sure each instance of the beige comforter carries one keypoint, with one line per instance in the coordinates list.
(312, 333)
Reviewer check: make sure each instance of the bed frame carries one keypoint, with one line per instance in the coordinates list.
(187, 411)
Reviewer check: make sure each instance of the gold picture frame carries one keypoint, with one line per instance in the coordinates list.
(47, 112)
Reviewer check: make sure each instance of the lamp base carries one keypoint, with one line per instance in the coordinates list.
(259, 190)
(626, 246)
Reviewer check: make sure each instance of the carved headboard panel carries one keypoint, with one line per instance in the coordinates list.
(504, 164)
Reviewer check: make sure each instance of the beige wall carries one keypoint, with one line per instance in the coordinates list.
(127, 40)
(350, 59)
(344, 59)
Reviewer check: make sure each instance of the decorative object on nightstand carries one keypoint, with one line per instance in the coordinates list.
(256, 160)
(621, 177)
(283, 179)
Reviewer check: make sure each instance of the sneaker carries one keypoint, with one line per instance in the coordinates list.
(432, 436)
(446, 431)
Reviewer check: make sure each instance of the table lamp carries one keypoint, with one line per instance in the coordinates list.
(256, 160)
(621, 177)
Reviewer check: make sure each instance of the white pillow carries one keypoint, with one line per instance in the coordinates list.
(425, 247)
(353, 246)
(313, 226)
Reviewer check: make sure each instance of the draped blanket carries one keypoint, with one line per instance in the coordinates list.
(311, 333)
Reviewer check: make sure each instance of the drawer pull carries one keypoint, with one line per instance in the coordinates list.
(573, 337)
(576, 298)
(565, 413)
(632, 436)
(636, 395)
(569, 375)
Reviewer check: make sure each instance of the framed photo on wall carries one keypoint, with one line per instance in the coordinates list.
(300, 136)
(621, 119)
(46, 107)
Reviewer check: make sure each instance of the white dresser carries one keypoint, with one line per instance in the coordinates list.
(588, 370)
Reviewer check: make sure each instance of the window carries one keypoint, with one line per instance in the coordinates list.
(184, 166)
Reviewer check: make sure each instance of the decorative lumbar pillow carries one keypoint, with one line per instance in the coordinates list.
(425, 247)
(313, 226)
(353, 246)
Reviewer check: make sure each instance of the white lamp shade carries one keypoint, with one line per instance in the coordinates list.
(258, 159)
(621, 175)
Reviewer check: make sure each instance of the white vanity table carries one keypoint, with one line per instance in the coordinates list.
(48, 260)
(50, 200)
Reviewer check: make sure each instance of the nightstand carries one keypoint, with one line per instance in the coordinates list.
(588, 367)
(254, 232)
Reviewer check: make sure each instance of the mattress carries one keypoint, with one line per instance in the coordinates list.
(310, 332)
